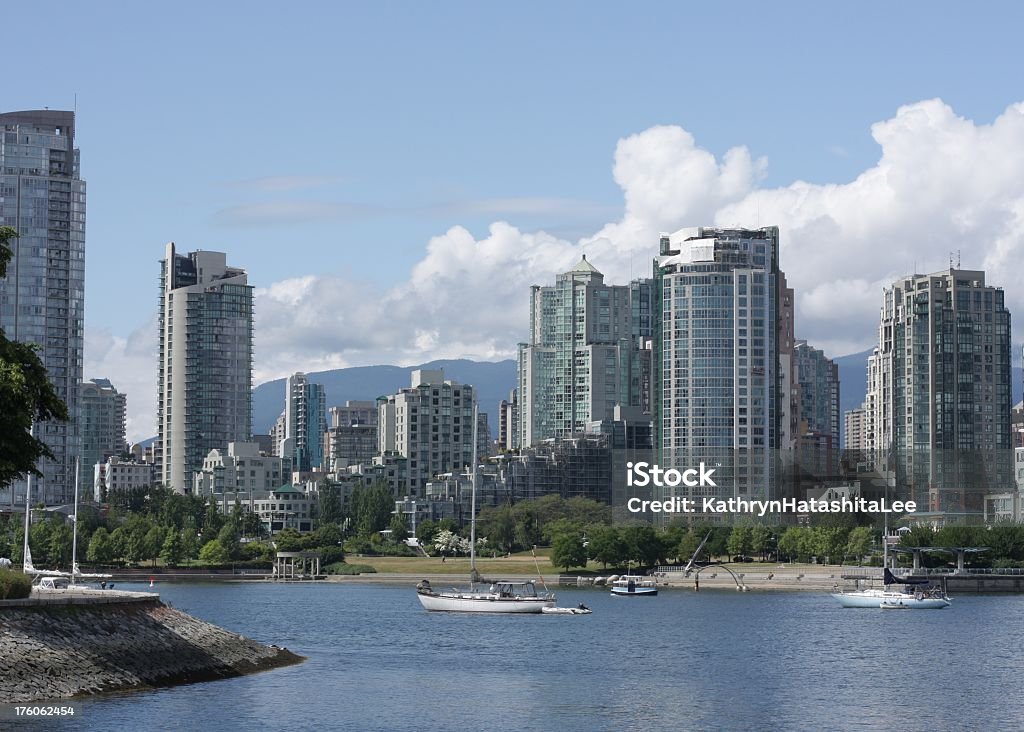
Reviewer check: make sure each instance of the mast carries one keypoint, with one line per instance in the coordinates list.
(472, 503)
(28, 509)
(74, 527)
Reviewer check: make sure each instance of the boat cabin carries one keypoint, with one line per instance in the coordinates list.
(53, 583)
(513, 589)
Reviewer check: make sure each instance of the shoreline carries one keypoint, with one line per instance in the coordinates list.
(64, 644)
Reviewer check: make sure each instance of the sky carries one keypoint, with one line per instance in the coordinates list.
(393, 176)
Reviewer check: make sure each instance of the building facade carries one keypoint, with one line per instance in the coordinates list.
(42, 196)
(717, 357)
(305, 422)
(939, 393)
(205, 374)
(581, 359)
(817, 411)
(431, 424)
(114, 476)
(240, 470)
(102, 425)
(353, 444)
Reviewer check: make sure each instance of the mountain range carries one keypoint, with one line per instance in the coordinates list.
(493, 381)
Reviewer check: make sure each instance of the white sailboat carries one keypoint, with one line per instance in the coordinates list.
(500, 596)
(26, 554)
(893, 599)
(77, 573)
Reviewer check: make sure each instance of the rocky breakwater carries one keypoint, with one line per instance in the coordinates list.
(70, 643)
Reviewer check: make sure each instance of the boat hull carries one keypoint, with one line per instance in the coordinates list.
(635, 592)
(914, 603)
(889, 600)
(481, 603)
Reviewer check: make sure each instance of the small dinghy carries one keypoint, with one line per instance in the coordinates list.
(581, 610)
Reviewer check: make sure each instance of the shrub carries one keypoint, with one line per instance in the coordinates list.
(14, 585)
(343, 568)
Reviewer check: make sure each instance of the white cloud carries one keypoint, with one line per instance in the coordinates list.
(942, 184)
(130, 364)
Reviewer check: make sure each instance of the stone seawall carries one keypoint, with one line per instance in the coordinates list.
(53, 647)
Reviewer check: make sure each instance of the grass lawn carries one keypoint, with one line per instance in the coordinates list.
(516, 564)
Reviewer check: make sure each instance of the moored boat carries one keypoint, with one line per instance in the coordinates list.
(631, 585)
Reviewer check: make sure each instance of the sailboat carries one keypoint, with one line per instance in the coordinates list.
(501, 596)
(26, 553)
(893, 599)
(76, 573)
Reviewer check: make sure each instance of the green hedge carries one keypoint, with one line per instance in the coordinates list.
(344, 568)
(14, 585)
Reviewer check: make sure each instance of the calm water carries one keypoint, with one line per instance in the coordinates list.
(682, 660)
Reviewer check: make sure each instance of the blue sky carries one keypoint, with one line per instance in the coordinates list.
(335, 139)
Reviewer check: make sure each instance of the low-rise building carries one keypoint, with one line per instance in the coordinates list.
(120, 476)
(241, 468)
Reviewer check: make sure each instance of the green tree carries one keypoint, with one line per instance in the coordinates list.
(399, 529)
(101, 549)
(567, 551)
(499, 524)
(718, 542)
(39, 542)
(228, 539)
(214, 553)
(425, 531)
(830, 542)
(171, 551)
(26, 396)
(795, 543)
(739, 543)
(189, 541)
(605, 545)
(152, 543)
(760, 540)
(330, 502)
(119, 542)
(688, 545)
(643, 545)
(859, 542)
(60, 543)
(375, 509)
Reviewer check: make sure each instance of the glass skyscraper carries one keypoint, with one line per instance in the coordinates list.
(205, 375)
(42, 298)
(305, 421)
(717, 358)
(939, 393)
(583, 357)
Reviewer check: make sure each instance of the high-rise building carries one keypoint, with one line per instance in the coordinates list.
(717, 358)
(305, 422)
(507, 409)
(354, 412)
(42, 196)
(431, 424)
(939, 392)
(102, 425)
(582, 358)
(205, 376)
(854, 440)
(818, 411)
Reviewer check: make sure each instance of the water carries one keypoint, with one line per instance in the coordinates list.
(682, 660)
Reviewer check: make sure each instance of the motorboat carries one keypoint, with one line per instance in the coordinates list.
(631, 585)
